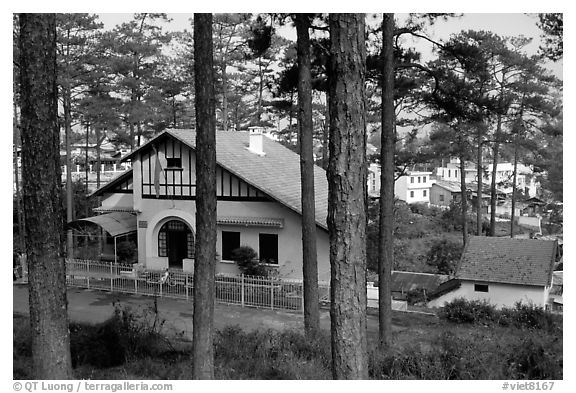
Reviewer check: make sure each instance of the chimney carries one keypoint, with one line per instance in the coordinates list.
(256, 141)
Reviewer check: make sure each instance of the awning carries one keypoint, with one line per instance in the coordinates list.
(115, 223)
(251, 221)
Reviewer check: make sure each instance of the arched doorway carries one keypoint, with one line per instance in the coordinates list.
(175, 241)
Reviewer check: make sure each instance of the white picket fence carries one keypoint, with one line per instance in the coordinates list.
(242, 290)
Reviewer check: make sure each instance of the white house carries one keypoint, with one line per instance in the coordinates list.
(258, 202)
(374, 174)
(525, 179)
(502, 271)
(414, 187)
(451, 171)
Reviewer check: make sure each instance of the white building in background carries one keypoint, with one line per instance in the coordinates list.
(525, 179)
(414, 187)
(374, 173)
(451, 171)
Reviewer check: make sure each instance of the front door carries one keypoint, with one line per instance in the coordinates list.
(175, 241)
(177, 248)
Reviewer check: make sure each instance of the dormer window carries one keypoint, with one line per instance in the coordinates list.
(173, 163)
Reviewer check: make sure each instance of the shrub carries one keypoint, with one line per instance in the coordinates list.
(468, 311)
(247, 260)
(444, 255)
(127, 251)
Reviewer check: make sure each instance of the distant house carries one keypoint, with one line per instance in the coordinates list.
(451, 171)
(444, 192)
(374, 174)
(414, 187)
(258, 202)
(502, 271)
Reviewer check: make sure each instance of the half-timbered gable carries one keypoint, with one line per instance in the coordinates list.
(168, 172)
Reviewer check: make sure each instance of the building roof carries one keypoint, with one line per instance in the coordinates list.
(506, 260)
(277, 173)
(406, 281)
(452, 186)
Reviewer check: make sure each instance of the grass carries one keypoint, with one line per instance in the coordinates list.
(132, 346)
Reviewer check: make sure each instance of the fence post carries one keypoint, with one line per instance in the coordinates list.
(111, 277)
(271, 295)
(242, 292)
(87, 274)
(186, 284)
(135, 281)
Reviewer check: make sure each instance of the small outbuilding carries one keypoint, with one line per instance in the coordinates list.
(502, 271)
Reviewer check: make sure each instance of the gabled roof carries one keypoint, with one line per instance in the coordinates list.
(277, 173)
(448, 185)
(112, 183)
(406, 281)
(506, 260)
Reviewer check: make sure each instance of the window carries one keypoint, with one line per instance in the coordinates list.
(411, 179)
(411, 194)
(423, 192)
(268, 248)
(418, 179)
(230, 242)
(173, 163)
(456, 172)
(448, 172)
(441, 197)
(424, 179)
(480, 287)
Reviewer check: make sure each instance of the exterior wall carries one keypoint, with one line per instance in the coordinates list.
(404, 186)
(500, 295)
(435, 196)
(157, 212)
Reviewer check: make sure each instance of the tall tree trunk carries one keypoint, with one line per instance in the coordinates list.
(514, 179)
(386, 237)
(42, 198)
(69, 198)
(87, 166)
(205, 263)
(305, 137)
(479, 188)
(98, 159)
(347, 195)
(495, 152)
(224, 98)
(21, 226)
(493, 194)
(464, 200)
(325, 134)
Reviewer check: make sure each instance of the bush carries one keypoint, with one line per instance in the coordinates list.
(468, 311)
(444, 255)
(247, 260)
(523, 316)
(270, 354)
(127, 252)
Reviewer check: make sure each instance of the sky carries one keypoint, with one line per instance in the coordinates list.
(505, 24)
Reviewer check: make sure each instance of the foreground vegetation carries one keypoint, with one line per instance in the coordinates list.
(470, 340)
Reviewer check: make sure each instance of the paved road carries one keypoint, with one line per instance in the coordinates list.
(92, 306)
